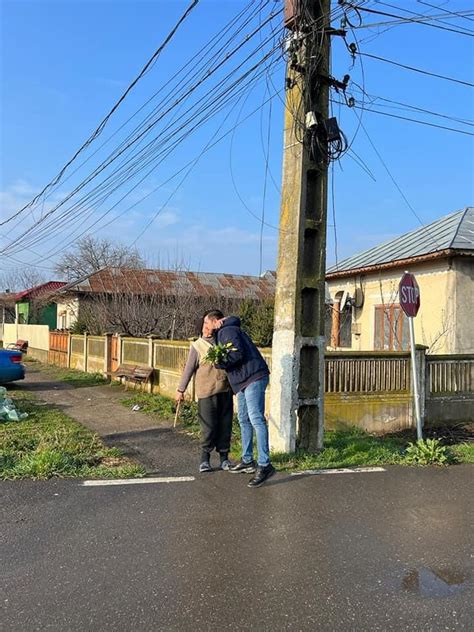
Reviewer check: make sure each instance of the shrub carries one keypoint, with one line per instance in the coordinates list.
(426, 452)
(257, 320)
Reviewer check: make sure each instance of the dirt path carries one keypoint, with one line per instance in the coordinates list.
(153, 443)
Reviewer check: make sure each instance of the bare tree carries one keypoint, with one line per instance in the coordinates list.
(170, 317)
(90, 255)
(23, 278)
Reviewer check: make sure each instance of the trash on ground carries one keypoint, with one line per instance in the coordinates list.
(136, 407)
(8, 412)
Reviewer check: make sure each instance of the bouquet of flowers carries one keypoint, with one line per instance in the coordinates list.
(219, 353)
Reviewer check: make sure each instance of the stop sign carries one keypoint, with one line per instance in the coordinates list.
(409, 293)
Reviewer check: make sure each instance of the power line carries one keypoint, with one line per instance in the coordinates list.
(116, 153)
(184, 135)
(434, 6)
(218, 38)
(419, 70)
(405, 118)
(421, 20)
(392, 178)
(190, 120)
(333, 198)
(422, 16)
(103, 123)
(416, 108)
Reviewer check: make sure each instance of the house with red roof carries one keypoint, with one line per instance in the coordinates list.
(35, 305)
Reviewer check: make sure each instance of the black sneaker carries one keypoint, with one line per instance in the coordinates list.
(261, 476)
(242, 467)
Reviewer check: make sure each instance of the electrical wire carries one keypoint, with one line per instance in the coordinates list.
(254, 53)
(422, 16)
(392, 178)
(333, 199)
(105, 120)
(408, 106)
(181, 97)
(419, 70)
(411, 120)
(440, 8)
(421, 20)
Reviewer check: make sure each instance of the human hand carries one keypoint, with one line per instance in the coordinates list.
(218, 323)
(179, 397)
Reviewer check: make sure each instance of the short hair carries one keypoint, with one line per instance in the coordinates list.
(198, 324)
(214, 314)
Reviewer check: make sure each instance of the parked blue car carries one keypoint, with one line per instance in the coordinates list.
(11, 366)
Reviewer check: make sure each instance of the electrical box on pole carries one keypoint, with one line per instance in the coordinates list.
(297, 385)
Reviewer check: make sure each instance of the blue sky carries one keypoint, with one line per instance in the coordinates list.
(65, 63)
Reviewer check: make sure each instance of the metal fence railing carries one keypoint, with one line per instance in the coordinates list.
(367, 374)
(171, 356)
(134, 351)
(450, 374)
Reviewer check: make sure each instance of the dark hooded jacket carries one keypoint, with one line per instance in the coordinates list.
(244, 365)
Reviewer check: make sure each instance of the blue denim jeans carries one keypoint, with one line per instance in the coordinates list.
(251, 411)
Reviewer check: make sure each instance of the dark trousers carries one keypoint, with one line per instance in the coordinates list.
(215, 416)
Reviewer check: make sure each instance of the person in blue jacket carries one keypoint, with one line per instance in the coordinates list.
(248, 376)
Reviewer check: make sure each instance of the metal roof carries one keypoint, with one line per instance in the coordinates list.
(43, 290)
(452, 232)
(172, 283)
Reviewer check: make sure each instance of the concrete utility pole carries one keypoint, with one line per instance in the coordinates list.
(297, 384)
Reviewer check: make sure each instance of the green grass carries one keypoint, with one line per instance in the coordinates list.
(463, 452)
(50, 444)
(346, 448)
(343, 448)
(73, 377)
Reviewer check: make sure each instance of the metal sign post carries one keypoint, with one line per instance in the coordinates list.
(409, 293)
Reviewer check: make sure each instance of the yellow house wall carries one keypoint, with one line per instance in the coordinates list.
(70, 308)
(462, 336)
(444, 322)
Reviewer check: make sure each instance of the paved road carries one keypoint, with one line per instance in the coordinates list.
(378, 551)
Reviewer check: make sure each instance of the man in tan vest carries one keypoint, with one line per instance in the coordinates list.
(215, 402)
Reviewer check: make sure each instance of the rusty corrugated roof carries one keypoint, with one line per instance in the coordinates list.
(172, 283)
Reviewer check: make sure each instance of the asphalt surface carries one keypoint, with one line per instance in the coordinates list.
(375, 551)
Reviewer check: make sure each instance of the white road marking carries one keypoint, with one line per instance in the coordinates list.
(341, 470)
(139, 481)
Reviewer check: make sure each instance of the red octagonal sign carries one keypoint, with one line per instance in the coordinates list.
(409, 293)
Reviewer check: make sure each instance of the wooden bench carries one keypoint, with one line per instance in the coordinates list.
(138, 374)
(19, 345)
